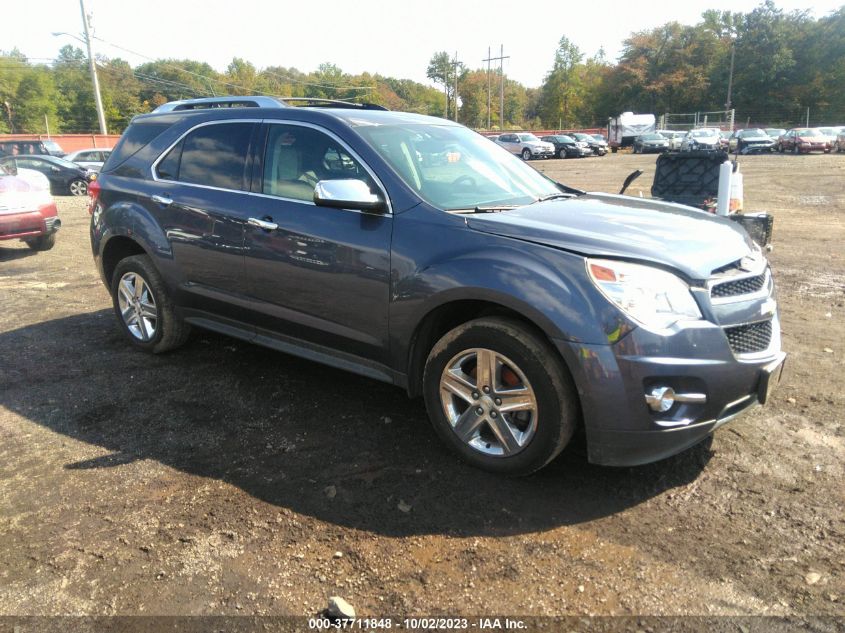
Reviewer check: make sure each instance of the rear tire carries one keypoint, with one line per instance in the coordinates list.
(43, 243)
(521, 420)
(561, 153)
(144, 308)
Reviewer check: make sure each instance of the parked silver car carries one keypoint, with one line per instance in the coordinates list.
(675, 138)
(91, 159)
(526, 145)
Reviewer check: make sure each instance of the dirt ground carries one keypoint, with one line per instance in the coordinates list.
(228, 479)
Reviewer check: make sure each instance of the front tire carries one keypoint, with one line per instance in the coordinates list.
(526, 154)
(78, 187)
(499, 396)
(145, 311)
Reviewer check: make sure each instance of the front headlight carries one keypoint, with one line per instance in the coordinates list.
(652, 297)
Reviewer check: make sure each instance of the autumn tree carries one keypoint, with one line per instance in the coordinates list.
(562, 86)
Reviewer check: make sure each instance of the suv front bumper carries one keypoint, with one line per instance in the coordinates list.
(613, 381)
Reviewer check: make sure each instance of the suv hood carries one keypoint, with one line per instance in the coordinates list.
(602, 225)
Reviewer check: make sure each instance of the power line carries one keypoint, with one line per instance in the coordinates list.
(291, 79)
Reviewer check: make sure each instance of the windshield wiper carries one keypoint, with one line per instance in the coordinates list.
(553, 196)
(487, 209)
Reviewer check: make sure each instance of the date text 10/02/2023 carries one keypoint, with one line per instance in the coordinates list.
(417, 623)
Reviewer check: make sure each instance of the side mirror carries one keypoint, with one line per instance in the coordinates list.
(347, 193)
(54, 169)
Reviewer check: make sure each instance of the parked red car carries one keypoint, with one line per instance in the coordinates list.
(803, 140)
(27, 211)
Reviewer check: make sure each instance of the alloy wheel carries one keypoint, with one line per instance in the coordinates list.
(78, 188)
(137, 306)
(488, 401)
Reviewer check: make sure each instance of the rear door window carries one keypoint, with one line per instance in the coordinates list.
(211, 155)
(215, 155)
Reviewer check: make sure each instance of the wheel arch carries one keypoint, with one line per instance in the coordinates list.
(450, 314)
(118, 248)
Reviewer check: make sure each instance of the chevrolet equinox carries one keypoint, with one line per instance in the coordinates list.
(412, 250)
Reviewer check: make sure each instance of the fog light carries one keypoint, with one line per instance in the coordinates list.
(661, 399)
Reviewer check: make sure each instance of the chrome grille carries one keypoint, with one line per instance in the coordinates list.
(744, 286)
(750, 338)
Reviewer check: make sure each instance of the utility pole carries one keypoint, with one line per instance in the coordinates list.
(455, 64)
(500, 59)
(731, 77)
(488, 60)
(97, 98)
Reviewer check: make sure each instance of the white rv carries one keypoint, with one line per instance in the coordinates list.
(623, 129)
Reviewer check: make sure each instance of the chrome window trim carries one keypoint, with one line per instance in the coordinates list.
(318, 128)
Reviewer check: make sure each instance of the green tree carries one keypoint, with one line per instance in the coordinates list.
(36, 102)
(440, 72)
(562, 87)
(13, 68)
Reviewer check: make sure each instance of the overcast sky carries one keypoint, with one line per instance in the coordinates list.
(394, 38)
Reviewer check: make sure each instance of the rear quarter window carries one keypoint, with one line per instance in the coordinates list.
(137, 136)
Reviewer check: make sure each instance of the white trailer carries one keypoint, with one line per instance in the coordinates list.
(623, 129)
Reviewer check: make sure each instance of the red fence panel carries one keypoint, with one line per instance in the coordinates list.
(68, 142)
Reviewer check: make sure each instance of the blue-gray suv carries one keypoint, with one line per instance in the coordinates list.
(412, 250)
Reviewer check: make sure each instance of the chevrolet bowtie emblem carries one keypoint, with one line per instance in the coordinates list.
(748, 263)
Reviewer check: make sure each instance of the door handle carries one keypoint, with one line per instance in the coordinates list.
(263, 224)
(162, 200)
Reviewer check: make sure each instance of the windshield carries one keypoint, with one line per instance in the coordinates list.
(61, 162)
(753, 134)
(703, 133)
(599, 137)
(452, 167)
(652, 137)
(809, 131)
(528, 137)
(775, 131)
(829, 131)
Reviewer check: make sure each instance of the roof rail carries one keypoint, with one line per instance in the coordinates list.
(261, 102)
(316, 102)
(220, 102)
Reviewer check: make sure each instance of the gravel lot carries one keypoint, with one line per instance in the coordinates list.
(229, 479)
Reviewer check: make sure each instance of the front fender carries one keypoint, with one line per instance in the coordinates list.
(547, 286)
